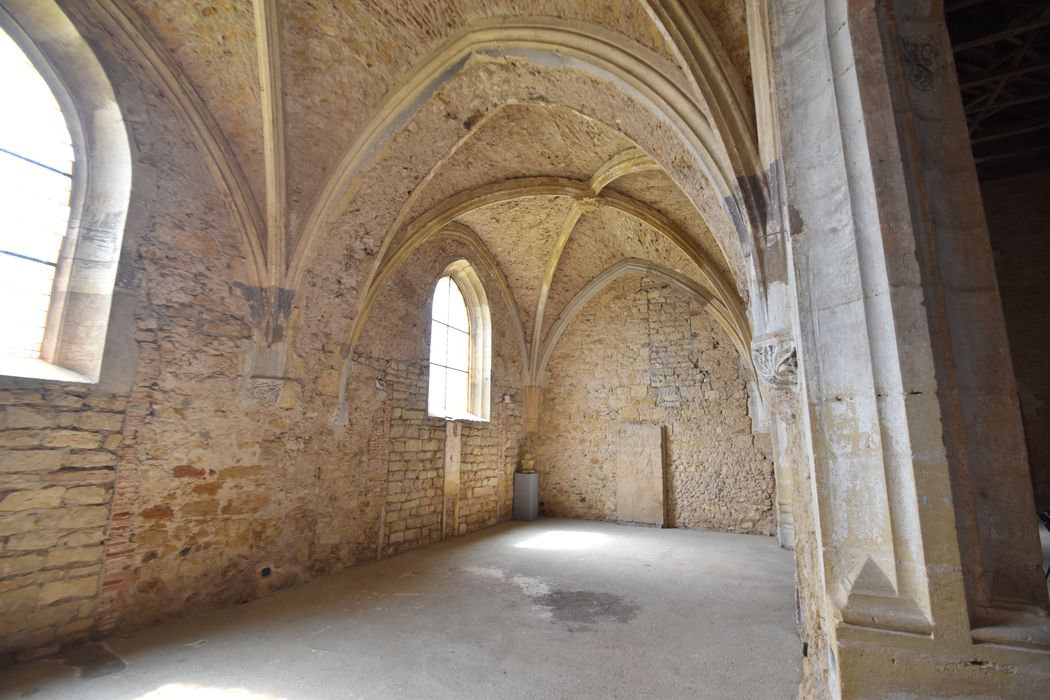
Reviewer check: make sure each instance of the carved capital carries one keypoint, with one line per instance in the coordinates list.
(775, 360)
(920, 60)
(776, 363)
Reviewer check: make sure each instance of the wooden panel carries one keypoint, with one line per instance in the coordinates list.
(639, 473)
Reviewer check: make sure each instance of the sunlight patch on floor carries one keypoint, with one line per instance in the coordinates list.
(191, 691)
(564, 539)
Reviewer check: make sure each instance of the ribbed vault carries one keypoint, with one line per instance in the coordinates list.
(289, 128)
(563, 204)
(564, 137)
(520, 233)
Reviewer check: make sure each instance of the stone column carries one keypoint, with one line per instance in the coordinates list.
(994, 504)
(771, 308)
(533, 401)
(901, 348)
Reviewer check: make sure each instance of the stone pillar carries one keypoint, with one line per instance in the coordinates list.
(533, 399)
(453, 460)
(784, 472)
(994, 504)
(901, 351)
(766, 248)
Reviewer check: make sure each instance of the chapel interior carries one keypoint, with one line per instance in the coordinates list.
(524, 348)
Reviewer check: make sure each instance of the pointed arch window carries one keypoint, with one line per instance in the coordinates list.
(36, 177)
(460, 346)
(65, 182)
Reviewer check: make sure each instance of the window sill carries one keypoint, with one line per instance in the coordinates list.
(462, 417)
(35, 368)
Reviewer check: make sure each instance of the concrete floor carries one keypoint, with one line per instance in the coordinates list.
(548, 609)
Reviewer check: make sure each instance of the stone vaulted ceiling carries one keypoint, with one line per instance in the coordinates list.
(283, 94)
(608, 203)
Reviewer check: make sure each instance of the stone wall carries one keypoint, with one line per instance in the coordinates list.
(58, 458)
(406, 448)
(414, 453)
(642, 352)
(1018, 213)
(195, 486)
(190, 488)
(213, 495)
(489, 459)
(407, 451)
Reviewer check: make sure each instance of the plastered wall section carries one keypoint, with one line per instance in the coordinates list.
(643, 352)
(1018, 210)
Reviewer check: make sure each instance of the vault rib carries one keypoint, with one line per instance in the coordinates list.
(438, 218)
(268, 43)
(579, 208)
(629, 161)
(632, 160)
(218, 155)
(632, 66)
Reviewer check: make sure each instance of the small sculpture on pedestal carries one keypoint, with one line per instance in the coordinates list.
(528, 463)
(526, 487)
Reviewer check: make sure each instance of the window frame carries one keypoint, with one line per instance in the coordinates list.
(83, 293)
(451, 365)
(479, 342)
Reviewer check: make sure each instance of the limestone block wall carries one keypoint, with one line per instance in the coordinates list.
(405, 448)
(643, 352)
(58, 456)
(192, 492)
(414, 451)
(1018, 212)
(188, 488)
(490, 456)
(216, 490)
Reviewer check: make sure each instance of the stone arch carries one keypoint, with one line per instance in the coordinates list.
(664, 274)
(154, 59)
(639, 75)
(463, 234)
(78, 319)
(441, 220)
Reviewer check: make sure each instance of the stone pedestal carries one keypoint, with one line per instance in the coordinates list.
(526, 496)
